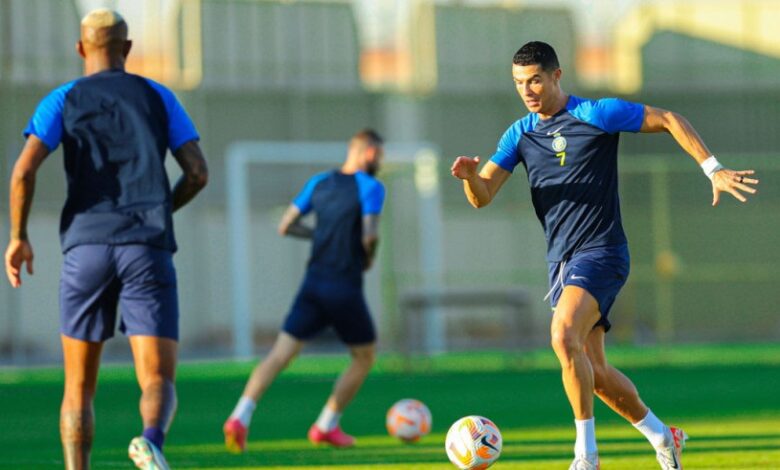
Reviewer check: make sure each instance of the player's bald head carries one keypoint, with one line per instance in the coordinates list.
(103, 28)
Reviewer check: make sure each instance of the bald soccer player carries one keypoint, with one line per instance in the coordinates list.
(116, 229)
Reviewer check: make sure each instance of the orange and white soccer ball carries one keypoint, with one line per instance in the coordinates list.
(473, 443)
(408, 420)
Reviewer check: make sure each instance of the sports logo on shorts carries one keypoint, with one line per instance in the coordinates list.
(559, 143)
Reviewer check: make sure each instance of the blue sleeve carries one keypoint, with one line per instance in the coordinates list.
(303, 200)
(371, 193)
(46, 122)
(616, 115)
(507, 155)
(180, 127)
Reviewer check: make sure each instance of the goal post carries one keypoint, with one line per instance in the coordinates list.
(423, 157)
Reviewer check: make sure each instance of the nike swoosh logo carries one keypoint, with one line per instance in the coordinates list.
(556, 130)
(487, 444)
(575, 277)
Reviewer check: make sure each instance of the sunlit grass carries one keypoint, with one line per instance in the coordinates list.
(725, 397)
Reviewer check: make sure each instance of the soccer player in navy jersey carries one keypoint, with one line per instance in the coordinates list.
(116, 229)
(347, 203)
(568, 146)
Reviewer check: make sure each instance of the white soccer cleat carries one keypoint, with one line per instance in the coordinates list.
(146, 455)
(586, 462)
(670, 457)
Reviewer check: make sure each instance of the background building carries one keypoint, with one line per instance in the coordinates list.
(435, 74)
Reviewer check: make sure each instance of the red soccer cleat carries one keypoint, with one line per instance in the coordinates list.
(235, 435)
(335, 437)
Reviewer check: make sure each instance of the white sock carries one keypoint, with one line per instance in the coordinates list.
(586, 437)
(654, 430)
(328, 419)
(243, 410)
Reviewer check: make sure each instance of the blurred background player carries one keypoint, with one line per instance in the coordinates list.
(116, 229)
(569, 147)
(347, 203)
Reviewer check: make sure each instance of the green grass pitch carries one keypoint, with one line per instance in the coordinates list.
(727, 398)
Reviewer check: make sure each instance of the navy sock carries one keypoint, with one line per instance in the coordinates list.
(155, 435)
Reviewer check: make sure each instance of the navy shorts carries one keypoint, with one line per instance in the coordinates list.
(325, 301)
(139, 278)
(600, 271)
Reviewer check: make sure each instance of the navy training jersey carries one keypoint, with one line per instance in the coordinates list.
(340, 201)
(571, 160)
(115, 129)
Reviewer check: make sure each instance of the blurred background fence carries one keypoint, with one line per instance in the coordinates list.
(303, 71)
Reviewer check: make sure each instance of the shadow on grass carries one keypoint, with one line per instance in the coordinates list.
(515, 450)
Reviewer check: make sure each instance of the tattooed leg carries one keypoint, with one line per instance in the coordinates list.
(81, 360)
(77, 431)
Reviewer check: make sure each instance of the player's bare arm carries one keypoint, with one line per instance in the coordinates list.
(370, 237)
(292, 225)
(723, 179)
(480, 187)
(195, 173)
(19, 249)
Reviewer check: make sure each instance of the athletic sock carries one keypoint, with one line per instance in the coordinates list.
(155, 435)
(654, 430)
(243, 410)
(586, 437)
(328, 419)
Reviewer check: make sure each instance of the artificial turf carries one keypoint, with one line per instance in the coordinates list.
(727, 398)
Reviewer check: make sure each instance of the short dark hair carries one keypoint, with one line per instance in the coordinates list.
(537, 52)
(369, 137)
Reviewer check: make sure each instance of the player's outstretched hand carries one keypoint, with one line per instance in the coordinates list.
(734, 183)
(465, 167)
(18, 252)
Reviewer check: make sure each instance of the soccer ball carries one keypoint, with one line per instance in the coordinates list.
(408, 420)
(473, 443)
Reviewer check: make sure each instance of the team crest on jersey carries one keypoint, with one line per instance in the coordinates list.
(559, 143)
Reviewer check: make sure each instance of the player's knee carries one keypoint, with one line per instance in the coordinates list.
(282, 358)
(364, 357)
(565, 341)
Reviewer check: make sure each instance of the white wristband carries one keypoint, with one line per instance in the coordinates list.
(710, 166)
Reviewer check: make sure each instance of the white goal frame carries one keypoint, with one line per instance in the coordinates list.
(242, 154)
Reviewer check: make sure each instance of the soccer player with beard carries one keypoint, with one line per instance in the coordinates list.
(347, 203)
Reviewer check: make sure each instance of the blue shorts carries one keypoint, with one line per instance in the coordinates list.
(326, 301)
(140, 278)
(600, 271)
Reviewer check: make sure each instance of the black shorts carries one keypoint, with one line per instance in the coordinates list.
(327, 301)
(600, 271)
(139, 278)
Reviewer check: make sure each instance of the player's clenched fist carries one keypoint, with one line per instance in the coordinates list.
(465, 167)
